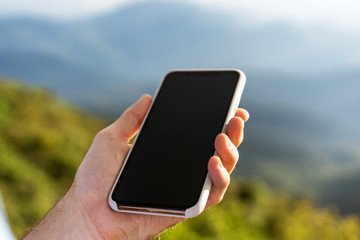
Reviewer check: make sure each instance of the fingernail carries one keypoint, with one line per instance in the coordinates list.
(248, 115)
(220, 165)
(243, 122)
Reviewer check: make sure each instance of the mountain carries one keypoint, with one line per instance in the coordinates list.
(137, 44)
(302, 87)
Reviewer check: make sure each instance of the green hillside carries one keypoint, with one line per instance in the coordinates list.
(43, 140)
(251, 211)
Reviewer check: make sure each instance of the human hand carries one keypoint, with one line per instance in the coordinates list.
(84, 211)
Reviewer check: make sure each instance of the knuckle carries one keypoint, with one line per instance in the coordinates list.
(224, 181)
(106, 135)
(103, 134)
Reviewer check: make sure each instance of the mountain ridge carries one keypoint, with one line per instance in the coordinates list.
(299, 92)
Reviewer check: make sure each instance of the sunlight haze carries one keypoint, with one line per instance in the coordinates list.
(343, 14)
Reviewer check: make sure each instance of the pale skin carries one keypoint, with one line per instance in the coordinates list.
(84, 213)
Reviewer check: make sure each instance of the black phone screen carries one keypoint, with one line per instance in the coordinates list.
(167, 166)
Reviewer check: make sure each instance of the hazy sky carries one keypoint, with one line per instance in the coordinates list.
(341, 13)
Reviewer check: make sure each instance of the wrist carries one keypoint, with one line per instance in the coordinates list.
(65, 221)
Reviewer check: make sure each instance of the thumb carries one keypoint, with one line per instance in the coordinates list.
(129, 123)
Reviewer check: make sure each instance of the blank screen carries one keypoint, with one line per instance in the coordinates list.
(167, 166)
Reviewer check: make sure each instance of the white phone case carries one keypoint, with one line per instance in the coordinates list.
(200, 205)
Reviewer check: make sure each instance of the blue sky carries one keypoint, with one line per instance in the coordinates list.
(338, 13)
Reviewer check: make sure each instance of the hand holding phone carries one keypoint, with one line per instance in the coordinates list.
(84, 212)
(165, 172)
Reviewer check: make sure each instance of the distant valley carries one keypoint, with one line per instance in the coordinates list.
(302, 88)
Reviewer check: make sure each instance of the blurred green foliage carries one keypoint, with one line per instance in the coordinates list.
(251, 211)
(43, 140)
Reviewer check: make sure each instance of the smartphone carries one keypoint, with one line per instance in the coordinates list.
(165, 172)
